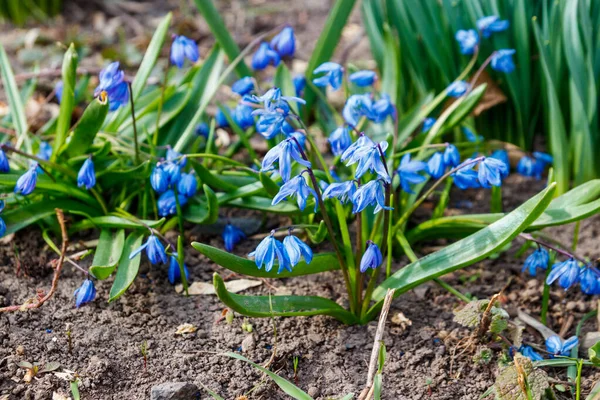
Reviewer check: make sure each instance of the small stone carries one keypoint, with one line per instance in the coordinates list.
(313, 391)
(174, 391)
(248, 343)
(571, 305)
(20, 350)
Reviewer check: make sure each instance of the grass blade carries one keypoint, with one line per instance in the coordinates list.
(17, 111)
(67, 102)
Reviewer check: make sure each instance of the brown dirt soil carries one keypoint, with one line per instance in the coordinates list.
(333, 357)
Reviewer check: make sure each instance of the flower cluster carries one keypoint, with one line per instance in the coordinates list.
(288, 253)
(282, 45)
(173, 185)
(534, 165)
(182, 48)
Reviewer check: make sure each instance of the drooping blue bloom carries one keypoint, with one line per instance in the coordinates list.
(356, 107)
(167, 205)
(536, 260)
(154, 250)
(296, 248)
(457, 88)
(340, 140)
(382, 109)
(220, 118)
(333, 75)
(2, 227)
(175, 272)
(545, 159)
(284, 43)
(242, 115)
(589, 280)
(528, 352)
(283, 154)
(274, 101)
(367, 154)
(182, 48)
(299, 84)
(187, 185)
(470, 135)
(502, 155)
(26, 182)
(567, 273)
(265, 56)
(299, 137)
(363, 78)
(270, 123)
(172, 172)
(58, 91)
(490, 24)
(408, 171)
(526, 166)
(451, 156)
(159, 179)
(558, 347)
(502, 61)
(112, 81)
(370, 194)
(243, 86)
(176, 157)
(85, 293)
(372, 257)
(44, 151)
(491, 172)
(4, 165)
(344, 191)
(232, 235)
(465, 177)
(202, 129)
(266, 252)
(428, 124)
(287, 128)
(298, 187)
(87, 176)
(468, 40)
(2, 205)
(436, 166)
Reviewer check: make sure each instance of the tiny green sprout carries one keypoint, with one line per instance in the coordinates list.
(483, 356)
(33, 369)
(228, 316)
(144, 351)
(246, 326)
(429, 383)
(381, 359)
(295, 363)
(69, 337)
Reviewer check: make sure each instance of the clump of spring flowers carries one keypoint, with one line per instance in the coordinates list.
(173, 186)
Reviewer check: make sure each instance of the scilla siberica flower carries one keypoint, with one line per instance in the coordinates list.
(265, 56)
(176, 157)
(343, 191)
(372, 257)
(175, 272)
(4, 166)
(536, 260)
(295, 249)
(369, 194)
(87, 176)
(457, 88)
(242, 115)
(491, 172)
(356, 107)
(26, 182)
(232, 235)
(220, 117)
(112, 81)
(558, 347)
(284, 43)
(566, 272)
(182, 48)
(243, 86)
(465, 177)
(382, 109)
(159, 179)
(408, 171)
(44, 151)
(363, 78)
(333, 74)
(451, 156)
(436, 166)
(340, 140)
(468, 40)
(299, 84)
(202, 129)
(490, 24)
(266, 252)
(298, 187)
(167, 205)
(283, 154)
(502, 61)
(528, 352)
(187, 185)
(588, 280)
(502, 155)
(367, 154)
(273, 101)
(154, 250)
(85, 293)
(428, 124)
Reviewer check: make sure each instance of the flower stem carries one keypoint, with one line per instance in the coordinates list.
(565, 253)
(135, 132)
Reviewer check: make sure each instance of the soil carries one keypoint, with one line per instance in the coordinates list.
(333, 358)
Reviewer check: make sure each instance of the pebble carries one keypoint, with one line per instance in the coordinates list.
(313, 391)
(174, 391)
(248, 343)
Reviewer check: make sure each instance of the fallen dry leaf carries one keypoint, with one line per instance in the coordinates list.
(185, 328)
(401, 320)
(235, 286)
(58, 396)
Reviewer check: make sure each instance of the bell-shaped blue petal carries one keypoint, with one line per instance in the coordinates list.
(465, 177)
(176, 157)
(44, 151)
(232, 235)
(242, 115)
(87, 176)
(502, 61)
(172, 172)
(502, 155)
(340, 140)
(284, 43)
(85, 293)
(451, 156)
(182, 48)
(370, 194)
(265, 56)
(367, 154)
(409, 173)
(382, 109)
(283, 154)
(299, 84)
(154, 250)
(220, 118)
(175, 271)
(528, 352)
(243, 86)
(112, 82)
(372, 257)
(343, 191)
(491, 172)
(2, 227)
(468, 40)
(4, 166)
(558, 347)
(295, 249)
(363, 78)
(267, 251)
(457, 88)
(537, 260)
(566, 272)
(26, 182)
(159, 179)
(589, 280)
(167, 205)
(202, 129)
(490, 24)
(188, 185)
(428, 124)
(356, 107)
(298, 187)
(470, 135)
(436, 166)
(333, 74)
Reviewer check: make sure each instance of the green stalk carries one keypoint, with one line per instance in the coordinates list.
(135, 132)
(180, 260)
(576, 235)
(496, 202)
(545, 299)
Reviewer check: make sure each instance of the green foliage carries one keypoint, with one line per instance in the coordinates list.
(18, 11)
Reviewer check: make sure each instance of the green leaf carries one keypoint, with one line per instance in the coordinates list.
(281, 306)
(466, 251)
(594, 354)
(45, 184)
(88, 126)
(115, 222)
(15, 104)
(210, 179)
(270, 186)
(320, 263)
(127, 269)
(67, 102)
(204, 213)
(288, 387)
(108, 253)
(319, 235)
(111, 178)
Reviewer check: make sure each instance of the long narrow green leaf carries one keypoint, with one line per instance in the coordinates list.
(127, 269)
(88, 127)
(17, 111)
(108, 252)
(114, 222)
(67, 101)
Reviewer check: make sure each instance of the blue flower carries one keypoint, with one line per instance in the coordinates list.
(491, 172)
(265, 56)
(182, 48)
(232, 235)
(87, 176)
(340, 140)
(2, 227)
(470, 135)
(369, 194)
(502, 155)
(296, 248)
(356, 107)
(85, 293)
(298, 136)
(4, 166)
(382, 109)
(26, 182)
(112, 81)
(333, 75)
(283, 154)
(545, 159)
(2, 205)
(298, 187)
(465, 177)
(502, 61)
(528, 352)
(342, 191)
(567, 273)
(176, 157)
(408, 171)
(220, 117)
(172, 172)
(534, 166)
(363, 78)
(451, 156)
(467, 40)
(299, 84)
(273, 101)
(243, 86)
(44, 151)
(159, 179)
(167, 204)
(175, 272)
(187, 185)
(202, 129)
(266, 252)
(536, 260)
(588, 280)
(242, 115)
(372, 257)
(558, 347)
(284, 43)
(367, 154)
(491, 24)
(154, 250)
(436, 166)
(270, 123)
(428, 124)
(457, 88)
